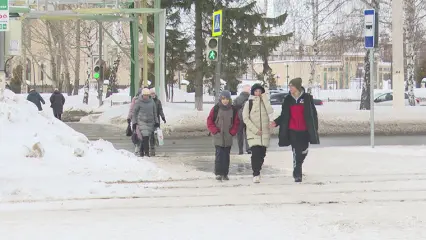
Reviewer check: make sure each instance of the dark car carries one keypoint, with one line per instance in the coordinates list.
(278, 99)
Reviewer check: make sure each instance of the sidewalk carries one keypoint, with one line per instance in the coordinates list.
(347, 193)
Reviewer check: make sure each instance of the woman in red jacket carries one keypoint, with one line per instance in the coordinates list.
(223, 124)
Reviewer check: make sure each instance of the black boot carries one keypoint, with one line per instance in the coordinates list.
(141, 151)
(297, 172)
(145, 144)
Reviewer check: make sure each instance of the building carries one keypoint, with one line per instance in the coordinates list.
(329, 74)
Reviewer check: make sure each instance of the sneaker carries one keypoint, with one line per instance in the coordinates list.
(298, 179)
(226, 178)
(256, 179)
(218, 177)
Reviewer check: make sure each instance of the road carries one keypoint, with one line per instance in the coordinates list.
(203, 145)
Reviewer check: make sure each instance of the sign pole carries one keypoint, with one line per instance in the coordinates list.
(217, 32)
(371, 32)
(217, 82)
(372, 81)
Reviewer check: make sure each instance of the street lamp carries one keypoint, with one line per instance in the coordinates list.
(287, 77)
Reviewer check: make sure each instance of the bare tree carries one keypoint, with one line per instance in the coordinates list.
(77, 57)
(322, 10)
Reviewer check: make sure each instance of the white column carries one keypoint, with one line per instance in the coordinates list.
(398, 53)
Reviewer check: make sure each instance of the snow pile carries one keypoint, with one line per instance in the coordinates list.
(41, 157)
(335, 119)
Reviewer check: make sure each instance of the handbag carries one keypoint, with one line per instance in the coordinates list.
(129, 130)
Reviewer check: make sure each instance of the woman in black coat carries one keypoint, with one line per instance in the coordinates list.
(57, 101)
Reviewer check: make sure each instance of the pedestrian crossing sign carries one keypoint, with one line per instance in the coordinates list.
(217, 24)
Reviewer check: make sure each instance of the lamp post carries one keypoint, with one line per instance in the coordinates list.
(287, 77)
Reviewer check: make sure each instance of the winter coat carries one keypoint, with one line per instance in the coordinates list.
(132, 106)
(35, 98)
(310, 118)
(239, 103)
(145, 115)
(160, 112)
(223, 123)
(57, 101)
(258, 120)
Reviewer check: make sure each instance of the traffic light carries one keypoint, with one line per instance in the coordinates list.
(96, 72)
(212, 50)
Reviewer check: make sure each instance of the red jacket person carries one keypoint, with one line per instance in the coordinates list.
(298, 124)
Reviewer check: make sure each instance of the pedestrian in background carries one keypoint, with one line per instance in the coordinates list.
(223, 123)
(298, 124)
(57, 101)
(35, 98)
(160, 113)
(136, 136)
(145, 118)
(256, 117)
(239, 105)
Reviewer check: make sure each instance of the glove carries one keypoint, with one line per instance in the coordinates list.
(134, 126)
(156, 125)
(129, 121)
(164, 120)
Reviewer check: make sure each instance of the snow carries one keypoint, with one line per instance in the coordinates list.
(347, 193)
(41, 157)
(355, 94)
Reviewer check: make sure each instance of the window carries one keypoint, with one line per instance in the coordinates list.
(384, 97)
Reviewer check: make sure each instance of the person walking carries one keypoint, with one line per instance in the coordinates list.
(160, 113)
(57, 101)
(145, 117)
(239, 105)
(256, 117)
(298, 124)
(36, 98)
(223, 123)
(136, 139)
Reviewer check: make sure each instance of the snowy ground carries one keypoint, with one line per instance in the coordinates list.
(43, 158)
(348, 193)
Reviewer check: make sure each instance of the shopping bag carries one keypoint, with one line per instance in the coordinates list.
(129, 130)
(159, 136)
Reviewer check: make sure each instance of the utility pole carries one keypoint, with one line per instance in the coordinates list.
(287, 78)
(2, 65)
(398, 54)
(101, 66)
(145, 45)
(217, 82)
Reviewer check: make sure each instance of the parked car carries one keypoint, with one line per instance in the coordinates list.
(278, 99)
(386, 99)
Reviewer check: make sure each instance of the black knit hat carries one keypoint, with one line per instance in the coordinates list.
(297, 83)
(255, 87)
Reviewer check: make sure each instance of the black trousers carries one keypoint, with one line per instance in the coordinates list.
(144, 150)
(58, 116)
(300, 145)
(222, 161)
(258, 154)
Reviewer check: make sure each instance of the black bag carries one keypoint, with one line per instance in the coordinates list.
(135, 139)
(129, 130)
